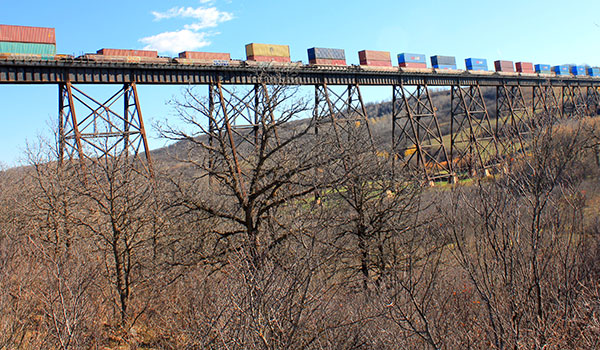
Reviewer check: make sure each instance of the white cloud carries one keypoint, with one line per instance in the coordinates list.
(175, 42)
(207, 17)
(191, 37)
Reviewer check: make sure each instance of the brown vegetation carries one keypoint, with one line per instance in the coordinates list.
(279, 239)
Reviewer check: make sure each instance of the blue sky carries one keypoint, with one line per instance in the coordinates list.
(552, 32)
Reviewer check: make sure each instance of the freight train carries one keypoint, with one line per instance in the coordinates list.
(36, 43)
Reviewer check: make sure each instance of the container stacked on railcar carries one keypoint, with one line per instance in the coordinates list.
(561, 70)
(543, 69)
(412, 60)
(206, 58)
(268, 53)
(126, 55)
(374, 58)
(476, 64)
(443, 62)
(593, 71)
(504, 66)
(325, 56)
(524, 67)
(578, 70)
(35, 42)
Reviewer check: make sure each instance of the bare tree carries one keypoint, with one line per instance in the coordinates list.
(519, 239)
(246, 175)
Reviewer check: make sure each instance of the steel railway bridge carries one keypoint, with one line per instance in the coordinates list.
(474, 144)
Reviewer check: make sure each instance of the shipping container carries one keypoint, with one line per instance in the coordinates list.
(368, 55)
(561, 70)
(476, 67)
(415, 70)
(445, 66)
(123, 52)
(324, 53)
(593, 71)
(412, 65)
(269, 59)
(411, 58)
(543, 68)
(377, 63)
(578, 70)
(23, 34)
(28, 57)
(476, 62)
(327, 62)
(504, 66)
(126, 59)
(205, 55)
(443, 60)
(524, 67)
(267, 50)
(27, 48)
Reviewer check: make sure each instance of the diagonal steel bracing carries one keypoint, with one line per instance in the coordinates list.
(342, 114)
(473, 146)
(574, 101)
(546, 106)
(417, 140)
(513, 119)
(238, 120)
(90, 130)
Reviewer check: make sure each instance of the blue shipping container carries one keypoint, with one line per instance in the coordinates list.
(477, 67)
(411, 58)
(594, 71)
(324, 53)
(444, 66)
(476, 62)
(561, 70)
(27, 48)
(578, 70)
(542, 68)
(443, 60)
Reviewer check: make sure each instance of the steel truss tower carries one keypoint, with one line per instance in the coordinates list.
(96, 131)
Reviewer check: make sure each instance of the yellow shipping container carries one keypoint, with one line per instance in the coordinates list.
(267, 50)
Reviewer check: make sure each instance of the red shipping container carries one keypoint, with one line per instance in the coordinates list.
(504, 66)
(205, 55)
(121, 52)
(524, 67)
(328, 62)
(37, 35)
(379, 63)
(413, 65)
(269, 59)
(367, 55)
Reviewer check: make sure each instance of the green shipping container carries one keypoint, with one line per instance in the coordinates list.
(27, 48)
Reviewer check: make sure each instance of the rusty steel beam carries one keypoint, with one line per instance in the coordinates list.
(473, 145)
(102, 133)
(417, 140)
(89, 72)
(513, 121)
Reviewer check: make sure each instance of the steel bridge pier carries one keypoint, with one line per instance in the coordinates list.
(95, 131)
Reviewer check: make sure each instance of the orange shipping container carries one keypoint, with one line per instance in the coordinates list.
(121, 52)
(23, 34)
(205, 55)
